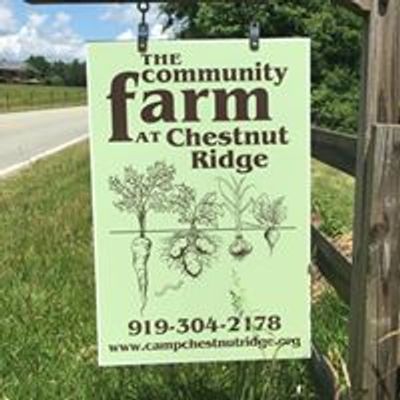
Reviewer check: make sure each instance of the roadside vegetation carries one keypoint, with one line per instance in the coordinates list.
(19, 97)
(47, 303)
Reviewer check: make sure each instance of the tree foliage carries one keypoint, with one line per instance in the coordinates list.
(336, 44)
(57, 73)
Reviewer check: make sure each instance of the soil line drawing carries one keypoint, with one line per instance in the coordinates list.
(139, 194)
(191, 250)
(269, 215)
(235, 195)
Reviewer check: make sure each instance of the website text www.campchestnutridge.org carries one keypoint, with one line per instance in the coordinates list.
(192, 344)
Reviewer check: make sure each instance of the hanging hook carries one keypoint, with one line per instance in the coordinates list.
(143, 31)
(254, 35)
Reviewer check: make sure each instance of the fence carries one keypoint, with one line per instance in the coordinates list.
(371, 283)
(31, 98)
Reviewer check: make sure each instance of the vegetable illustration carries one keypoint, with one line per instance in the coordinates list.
(237, 295)
(192, 249)
(234, 193)
(139, 194)
(269, 215)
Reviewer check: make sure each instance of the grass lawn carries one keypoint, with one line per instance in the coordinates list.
(333, 197)
(47, 303)
(27, 97)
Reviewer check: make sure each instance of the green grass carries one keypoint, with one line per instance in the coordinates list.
(47, 307)
(27, 97)
(333, 199)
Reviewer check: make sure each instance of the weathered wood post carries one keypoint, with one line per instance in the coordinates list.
(375, 336)
(375, 288)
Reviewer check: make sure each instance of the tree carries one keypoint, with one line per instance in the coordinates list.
(57, 73)
(75, 74)
(38, 67)
(335, 34)
(55, 80)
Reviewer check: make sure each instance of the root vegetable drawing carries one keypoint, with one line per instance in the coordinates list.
(139, 194)
(234, 193)
(141, 248)
(269, 215)
(191, 250)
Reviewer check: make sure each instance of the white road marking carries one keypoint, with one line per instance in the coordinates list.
(14, 168)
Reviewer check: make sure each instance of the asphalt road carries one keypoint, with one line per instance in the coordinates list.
(28, 136)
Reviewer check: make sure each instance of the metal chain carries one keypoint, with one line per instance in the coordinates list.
(143, 33)
(254, 34)
(143, 7)
(254, 28)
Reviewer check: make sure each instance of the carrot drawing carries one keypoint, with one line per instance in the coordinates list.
(139, 194)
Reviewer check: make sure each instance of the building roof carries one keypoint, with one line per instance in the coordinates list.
(12, 66)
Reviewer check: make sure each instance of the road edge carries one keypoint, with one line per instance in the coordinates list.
(25, 164)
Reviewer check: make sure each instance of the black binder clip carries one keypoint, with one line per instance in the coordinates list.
(254, 35)
(143, 31)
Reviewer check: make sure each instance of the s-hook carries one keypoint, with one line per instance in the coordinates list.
(143, 31)
(254, 35)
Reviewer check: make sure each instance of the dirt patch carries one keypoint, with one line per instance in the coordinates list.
(344, 243)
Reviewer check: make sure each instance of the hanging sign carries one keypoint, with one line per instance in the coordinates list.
(201, 191)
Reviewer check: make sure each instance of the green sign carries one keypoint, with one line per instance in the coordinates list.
(201, 192)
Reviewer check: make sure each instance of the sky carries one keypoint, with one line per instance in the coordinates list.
(59, 32)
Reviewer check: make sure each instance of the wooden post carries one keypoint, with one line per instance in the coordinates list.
(374, 296)
(380, 246)
(384, 253)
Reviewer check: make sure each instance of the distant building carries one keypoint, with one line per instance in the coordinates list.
(13, 72)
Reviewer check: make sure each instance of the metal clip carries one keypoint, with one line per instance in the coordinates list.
(143, 30)
(254, 35)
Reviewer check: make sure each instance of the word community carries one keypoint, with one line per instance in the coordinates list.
(258, 72)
